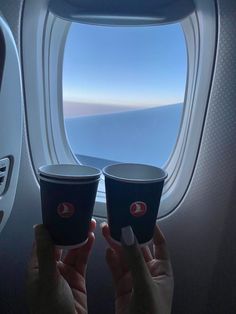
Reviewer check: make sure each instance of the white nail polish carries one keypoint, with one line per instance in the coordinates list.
(127, 236)
(103, 224)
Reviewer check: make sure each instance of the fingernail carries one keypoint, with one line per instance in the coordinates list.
(127, 236)
(34, 226)
(103, 224)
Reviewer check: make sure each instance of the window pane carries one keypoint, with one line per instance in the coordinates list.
(123, 92)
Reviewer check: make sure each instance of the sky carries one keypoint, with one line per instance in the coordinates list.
(142, 66)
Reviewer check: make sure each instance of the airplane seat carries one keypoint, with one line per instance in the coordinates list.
(10, 124)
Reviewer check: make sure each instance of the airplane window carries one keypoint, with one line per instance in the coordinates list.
(123, 92)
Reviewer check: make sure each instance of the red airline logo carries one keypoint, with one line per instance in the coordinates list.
(65, 210)
(138, 209)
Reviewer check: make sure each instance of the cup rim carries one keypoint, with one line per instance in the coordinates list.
(162, 177)
(51, 171)
(69, 181)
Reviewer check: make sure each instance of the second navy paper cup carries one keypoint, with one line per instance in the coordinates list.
(133, 193)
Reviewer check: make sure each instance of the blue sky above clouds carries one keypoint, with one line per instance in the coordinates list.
(131, 66)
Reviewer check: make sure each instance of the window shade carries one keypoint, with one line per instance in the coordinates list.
(122, 12)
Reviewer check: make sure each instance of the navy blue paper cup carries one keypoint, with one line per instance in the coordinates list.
(68, 194)
(133, 193)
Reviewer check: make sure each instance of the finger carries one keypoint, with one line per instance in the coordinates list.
(33, 262)
(58, 254)
(106, 234)
(92, 225)
(147, 254)
(114, 246)
(114, 264)
(159, 245)
(70, 257)
(139, 270)
(74, 279)
(121, 279)
(45, 252)
(78, 258)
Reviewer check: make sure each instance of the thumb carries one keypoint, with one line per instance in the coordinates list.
(45, 252)
(141, 277)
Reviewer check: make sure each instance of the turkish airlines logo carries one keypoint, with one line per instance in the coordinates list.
(65, 210)
(138, 209)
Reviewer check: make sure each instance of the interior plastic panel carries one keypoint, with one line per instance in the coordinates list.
(2, 55)
(132, 12)
(11, 120)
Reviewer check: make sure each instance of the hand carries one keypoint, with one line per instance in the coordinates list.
(54, 285)
(143, 281)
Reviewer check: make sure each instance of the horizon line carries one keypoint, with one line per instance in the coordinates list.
(120, 104)
(68, 116)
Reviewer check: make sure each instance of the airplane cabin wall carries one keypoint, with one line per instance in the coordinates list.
(200, 232)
